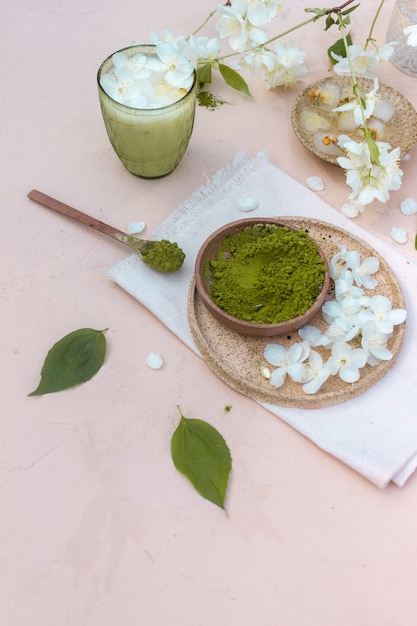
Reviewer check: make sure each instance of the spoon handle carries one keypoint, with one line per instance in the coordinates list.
(75, 214)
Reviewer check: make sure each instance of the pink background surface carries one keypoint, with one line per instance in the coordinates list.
(97, 528)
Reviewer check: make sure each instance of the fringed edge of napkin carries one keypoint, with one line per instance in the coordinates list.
(219, 185)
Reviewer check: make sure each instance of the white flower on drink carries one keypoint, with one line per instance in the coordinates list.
(179, 67)
(370, 181)
(137, 64)
(122, 86)
(286, 361)
(411, 33)
(347, 361)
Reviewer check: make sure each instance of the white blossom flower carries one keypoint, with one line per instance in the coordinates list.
(362, 270)
(365, 63)
(313, 336)
(260, 12)
(232, 24)
(179, 67)
(205, 48)
(345, 286)
(288, 66)
(411, 34)
(370, 181)
(316, 373)
(121, 85)
(167, 35)
(364, 109)
(286, 361)
(375, 342)
(346, 361)
(380, 312)
(337, 263)
(341, 329)
(345, 308)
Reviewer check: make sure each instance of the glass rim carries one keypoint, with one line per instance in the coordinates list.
(126, 106)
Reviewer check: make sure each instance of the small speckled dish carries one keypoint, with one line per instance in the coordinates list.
(208, 251)
(400, 132)
(236, 358)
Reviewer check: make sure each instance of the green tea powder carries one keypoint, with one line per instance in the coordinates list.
(266, 274)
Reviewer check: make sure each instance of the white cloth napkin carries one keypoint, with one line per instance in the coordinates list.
(375, 433)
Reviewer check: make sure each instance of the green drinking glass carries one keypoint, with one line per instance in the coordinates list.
(149, 142)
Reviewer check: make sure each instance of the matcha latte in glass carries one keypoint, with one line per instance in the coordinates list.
(149, 136)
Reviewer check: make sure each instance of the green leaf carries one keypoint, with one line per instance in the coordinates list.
(318, 12)
(339, 48)
(74, 359)
(233, 79)
(329, 22)
(200, 453)
(204, 74)
(373, 151)
(350, 9)
(415, 242)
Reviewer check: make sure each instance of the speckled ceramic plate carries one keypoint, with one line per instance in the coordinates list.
(400, 132)
(236, 358)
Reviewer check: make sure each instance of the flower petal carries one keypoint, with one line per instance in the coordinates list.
(399, 234)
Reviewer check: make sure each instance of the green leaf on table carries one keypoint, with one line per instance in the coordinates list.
(74, 359)
(234, 79)
(200, 453)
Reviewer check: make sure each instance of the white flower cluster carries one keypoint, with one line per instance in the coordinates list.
(359, 328)
(146, 82)
(244, 22)
(369, 178)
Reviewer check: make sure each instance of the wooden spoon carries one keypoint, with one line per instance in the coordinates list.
(163, 256)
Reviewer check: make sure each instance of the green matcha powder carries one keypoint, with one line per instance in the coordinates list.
(266, 274)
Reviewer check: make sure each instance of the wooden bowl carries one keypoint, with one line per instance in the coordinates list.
(209, 250)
